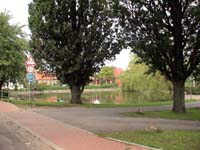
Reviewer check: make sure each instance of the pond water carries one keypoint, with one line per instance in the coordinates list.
(97, 97)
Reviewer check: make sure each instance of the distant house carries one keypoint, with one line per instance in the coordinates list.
(46, 78)
(117, 73)
(12, 86)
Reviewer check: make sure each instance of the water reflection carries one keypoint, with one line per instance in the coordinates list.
(103, 97)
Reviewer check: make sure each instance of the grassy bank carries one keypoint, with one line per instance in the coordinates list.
(66, 104)
(191, 114)
(43, 87)
(165, 140)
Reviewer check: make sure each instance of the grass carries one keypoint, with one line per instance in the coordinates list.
(191, 114)
(141, 104)
(158, 103)
(38, 103)
(165, 140)
(88, 105)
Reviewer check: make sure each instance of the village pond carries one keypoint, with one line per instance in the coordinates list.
(94, 97)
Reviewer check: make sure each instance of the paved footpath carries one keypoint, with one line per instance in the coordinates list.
(63, 136)
(14, 137)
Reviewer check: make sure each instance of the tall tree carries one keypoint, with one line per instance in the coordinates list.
(166, 36)
(153, 86)
(73, 38)
(12, 42)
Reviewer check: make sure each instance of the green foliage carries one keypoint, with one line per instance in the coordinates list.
(196, 74)
(73, 38)
(4, 94)
(106, 73)
(100, 86)
(191, 87)
(42, 86)
(195, 90)
(135, 79)
(12, 43)
(165, 34)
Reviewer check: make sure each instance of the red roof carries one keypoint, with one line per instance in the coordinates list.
(45, 76)
(118, 72)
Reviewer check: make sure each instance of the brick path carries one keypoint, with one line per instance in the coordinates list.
(63, 135)
(7, 107)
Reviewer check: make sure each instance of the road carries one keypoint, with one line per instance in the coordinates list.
(110, 119)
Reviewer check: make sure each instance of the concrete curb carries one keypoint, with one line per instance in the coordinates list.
(47, 142)
(130, 143)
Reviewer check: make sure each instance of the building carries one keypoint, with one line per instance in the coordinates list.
(45, 78)
(12, 86)
(117, 73)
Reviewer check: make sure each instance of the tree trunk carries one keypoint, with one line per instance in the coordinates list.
(75, 94)
(1, 84)
(179, 96)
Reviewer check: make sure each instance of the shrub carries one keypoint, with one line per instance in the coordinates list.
(4, 94)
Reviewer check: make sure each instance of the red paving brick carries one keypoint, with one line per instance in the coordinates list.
(7, 107)
(64, 135)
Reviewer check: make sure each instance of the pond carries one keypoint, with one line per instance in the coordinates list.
(96, 97)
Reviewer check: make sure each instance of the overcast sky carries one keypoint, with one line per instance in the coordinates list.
(18, 9)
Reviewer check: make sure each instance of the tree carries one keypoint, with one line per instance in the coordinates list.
(166, 36)
(12, 42)
(196, 74)
(106, 73)
(73, 38)
(135, 79)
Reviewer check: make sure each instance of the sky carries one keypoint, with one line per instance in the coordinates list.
(18, 9)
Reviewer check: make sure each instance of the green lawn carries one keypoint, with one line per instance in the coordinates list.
(144, 103)
(88, 105)
(191, 114)
(165, 140)
(64, 104)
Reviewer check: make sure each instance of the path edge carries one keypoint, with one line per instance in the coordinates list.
(130, 143)
(44, 140)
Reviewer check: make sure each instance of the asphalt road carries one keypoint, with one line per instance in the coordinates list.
(110, 119)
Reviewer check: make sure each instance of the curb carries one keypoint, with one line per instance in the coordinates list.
(130, 143)
(47, 142)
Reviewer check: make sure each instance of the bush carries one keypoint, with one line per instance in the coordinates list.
(195, 90)
(41, 87)
(4, 94)
(101, 86)
(44, 86)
